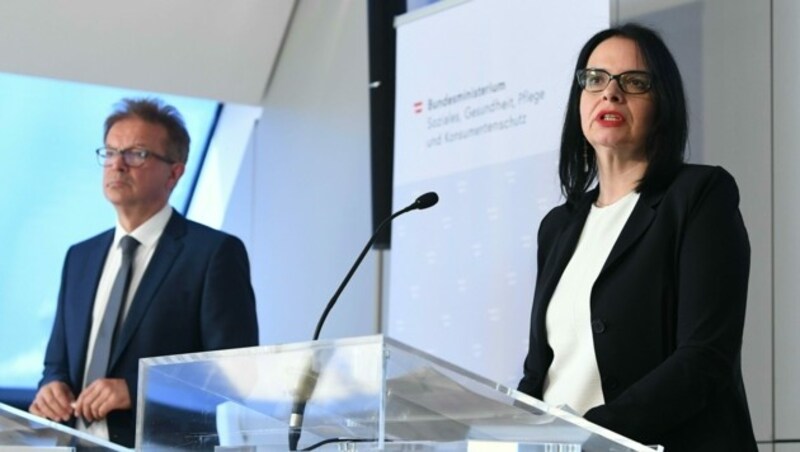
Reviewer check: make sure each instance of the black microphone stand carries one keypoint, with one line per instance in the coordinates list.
(309, 381)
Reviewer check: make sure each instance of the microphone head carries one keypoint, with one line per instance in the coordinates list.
(427, 200)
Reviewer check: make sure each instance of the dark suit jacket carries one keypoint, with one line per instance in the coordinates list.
(667, 311)
(195, 296)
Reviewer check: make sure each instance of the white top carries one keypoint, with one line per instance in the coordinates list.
(573, 378)
(147, 234)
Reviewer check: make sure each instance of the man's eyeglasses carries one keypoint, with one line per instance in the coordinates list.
(631, 82)
(132, 157)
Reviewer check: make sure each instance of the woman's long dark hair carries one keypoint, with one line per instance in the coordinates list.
(666, 140)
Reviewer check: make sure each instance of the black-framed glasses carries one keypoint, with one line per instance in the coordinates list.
(132, 156)
(631, 82)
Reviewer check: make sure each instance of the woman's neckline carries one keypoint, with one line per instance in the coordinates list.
(616, 202)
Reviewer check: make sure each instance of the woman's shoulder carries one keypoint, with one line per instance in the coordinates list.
(699, 184)
(692, 173)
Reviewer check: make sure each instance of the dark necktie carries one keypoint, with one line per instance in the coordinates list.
(98, 366)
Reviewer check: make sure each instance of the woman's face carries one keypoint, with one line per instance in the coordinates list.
(612, 120)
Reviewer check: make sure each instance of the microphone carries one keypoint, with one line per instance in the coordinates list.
(309, 377)
(423, 202)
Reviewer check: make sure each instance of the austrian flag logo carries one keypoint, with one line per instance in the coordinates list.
(418, 107)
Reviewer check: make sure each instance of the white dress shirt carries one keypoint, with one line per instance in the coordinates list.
(147, 234)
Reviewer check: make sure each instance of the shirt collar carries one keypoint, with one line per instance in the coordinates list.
(148, 233)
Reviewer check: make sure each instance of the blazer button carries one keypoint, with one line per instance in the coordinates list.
(598, 326)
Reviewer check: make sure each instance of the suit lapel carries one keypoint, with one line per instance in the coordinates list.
(89, 278)
(564, 247)
(168, 248)
(640, 219)
(643, 214)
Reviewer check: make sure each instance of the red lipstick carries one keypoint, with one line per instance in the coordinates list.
(610, 118)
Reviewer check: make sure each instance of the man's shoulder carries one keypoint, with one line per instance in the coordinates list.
(197, 232)
(102, 239)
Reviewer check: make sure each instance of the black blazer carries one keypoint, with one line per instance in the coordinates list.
(194, 296)
(667, 311)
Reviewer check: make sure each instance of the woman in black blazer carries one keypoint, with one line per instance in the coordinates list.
(642, 277)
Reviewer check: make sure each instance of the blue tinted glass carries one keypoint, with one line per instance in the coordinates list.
(415, 4)
(52, 197)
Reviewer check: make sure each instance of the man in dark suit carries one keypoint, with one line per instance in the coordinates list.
(186, 286)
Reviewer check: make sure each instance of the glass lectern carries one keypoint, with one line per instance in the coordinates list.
(24, 432)
(368, 393)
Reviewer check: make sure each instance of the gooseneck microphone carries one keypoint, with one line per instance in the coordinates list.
(423, 202)
(309, 377)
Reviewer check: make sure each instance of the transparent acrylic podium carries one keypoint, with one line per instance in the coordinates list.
(24, 432)
(369, 393)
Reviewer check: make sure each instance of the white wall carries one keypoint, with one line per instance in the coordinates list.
(200, 48)
(786, 113)
(304, 205)
(737, 126)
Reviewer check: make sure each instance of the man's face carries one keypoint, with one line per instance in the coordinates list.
(145, 189)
